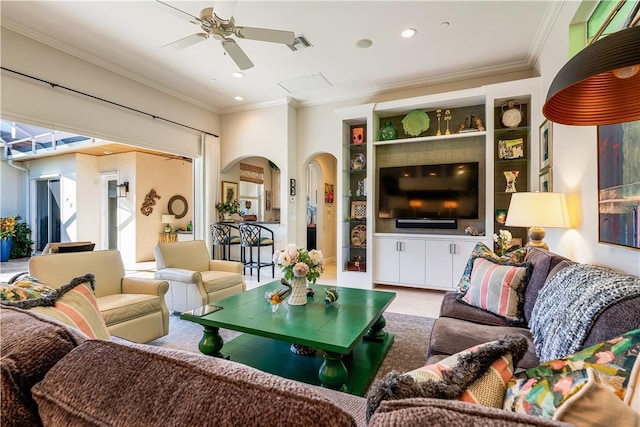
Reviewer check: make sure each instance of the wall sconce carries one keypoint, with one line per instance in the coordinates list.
(122, 189)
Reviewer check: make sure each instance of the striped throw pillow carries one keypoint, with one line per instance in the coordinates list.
(73, 304)
(498, 288)
(78, 308)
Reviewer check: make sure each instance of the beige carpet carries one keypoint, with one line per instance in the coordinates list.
(411, 337)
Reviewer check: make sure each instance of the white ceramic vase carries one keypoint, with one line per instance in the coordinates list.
(298, 292)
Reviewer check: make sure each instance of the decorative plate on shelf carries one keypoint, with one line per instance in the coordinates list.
(358, 161)
(359, 209)
(415, 122)
(512, 116)
(359, 235)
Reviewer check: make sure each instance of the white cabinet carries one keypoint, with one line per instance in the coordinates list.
(400, 261)
(432, 262)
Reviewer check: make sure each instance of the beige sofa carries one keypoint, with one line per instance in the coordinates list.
(194, 279)
(133, 308)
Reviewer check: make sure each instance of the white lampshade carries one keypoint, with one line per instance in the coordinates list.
(537, 210)
(168, 219)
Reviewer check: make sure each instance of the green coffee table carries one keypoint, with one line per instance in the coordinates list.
(349, 334)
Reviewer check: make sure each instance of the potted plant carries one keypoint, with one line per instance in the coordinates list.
(228, 208)
(7, 231)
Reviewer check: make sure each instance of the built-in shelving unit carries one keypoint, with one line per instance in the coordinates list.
(432, 258)
(511, 150)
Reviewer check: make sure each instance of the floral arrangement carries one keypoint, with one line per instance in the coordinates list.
(298, 262)
(230, 206)
(8, 227)
(503, 241)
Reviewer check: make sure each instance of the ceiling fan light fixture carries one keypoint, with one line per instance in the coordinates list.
(600, 84)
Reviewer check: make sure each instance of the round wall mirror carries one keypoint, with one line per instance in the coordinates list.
(178, 206)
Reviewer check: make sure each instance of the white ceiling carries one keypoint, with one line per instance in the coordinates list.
(482, 38)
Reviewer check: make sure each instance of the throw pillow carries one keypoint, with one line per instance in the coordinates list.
(73, 304)
(498, 288)
(482, 251)
(28, 288)
(478, 375)
(576, 397)
(614, 361)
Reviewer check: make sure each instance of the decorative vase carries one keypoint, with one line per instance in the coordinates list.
(298, 292)
(5, 248)
(388, 132)
(511, 177)
(227, 216)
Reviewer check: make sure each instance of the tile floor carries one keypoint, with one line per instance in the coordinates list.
(411, 301)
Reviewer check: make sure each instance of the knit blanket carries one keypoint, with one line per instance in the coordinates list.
(569, 304)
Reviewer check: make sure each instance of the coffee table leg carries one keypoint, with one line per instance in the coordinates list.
(211, 342)
(377, 333)
(333, 373)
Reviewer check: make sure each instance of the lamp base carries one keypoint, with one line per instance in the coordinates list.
(167, 229)
(536, 235)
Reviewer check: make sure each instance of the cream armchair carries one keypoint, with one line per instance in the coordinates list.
(194, 279)
(132, 307)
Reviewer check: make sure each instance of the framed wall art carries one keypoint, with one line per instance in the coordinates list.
(619, 184)
(545, 181)
(546, 145)
(328, 193)
(229, 191)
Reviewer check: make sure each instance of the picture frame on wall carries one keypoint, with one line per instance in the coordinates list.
(545, 181)
(618, 184)
(328, 193)
(546, 145)
(229, 191)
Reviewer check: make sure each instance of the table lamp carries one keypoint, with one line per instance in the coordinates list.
(167, 220)
(537, 210)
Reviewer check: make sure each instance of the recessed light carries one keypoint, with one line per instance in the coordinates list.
(408, 32)
(239, 98)
(364, 43)
(238, 74)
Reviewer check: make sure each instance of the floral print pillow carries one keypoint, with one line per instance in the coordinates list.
(612, 360)
(543, 396)
(27, 288)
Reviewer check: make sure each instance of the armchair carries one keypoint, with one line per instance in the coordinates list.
(194, 279)
(133, 308)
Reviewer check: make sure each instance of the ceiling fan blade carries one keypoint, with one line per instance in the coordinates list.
(187, 41)
(265, 35)
(179, 13)
(237, 54)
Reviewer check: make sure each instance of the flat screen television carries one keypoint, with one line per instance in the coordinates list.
(429, 191)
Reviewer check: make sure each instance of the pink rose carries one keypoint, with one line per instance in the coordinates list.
(300, 269)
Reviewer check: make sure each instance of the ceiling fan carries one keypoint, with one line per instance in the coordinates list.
(221, 29)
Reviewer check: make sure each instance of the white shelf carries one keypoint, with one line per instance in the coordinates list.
(432, 138)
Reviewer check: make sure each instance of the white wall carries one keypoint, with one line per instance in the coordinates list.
(575, 168)
(14, 191)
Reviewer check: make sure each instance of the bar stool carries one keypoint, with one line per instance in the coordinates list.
(256, 236)
(222, 236)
